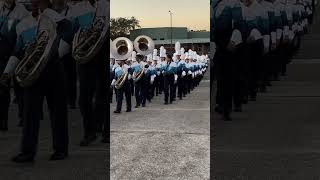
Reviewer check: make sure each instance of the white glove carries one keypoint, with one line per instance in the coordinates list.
(113, 82)
(175, 79)
(162, 72)
(183, 73)
(236, 37)
(255, 34)
(158, 73)
(266, 42)
(11, 65)
(291, 35)
(192, 75)
(189, 72)
(152, 79)
(300, 28)
(279, 34)
(129, 76)
(64, 48)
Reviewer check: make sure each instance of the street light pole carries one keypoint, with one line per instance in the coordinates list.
(171, 25)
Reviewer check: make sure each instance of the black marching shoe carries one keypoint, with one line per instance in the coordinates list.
(23, 158)
(218, 110)
(137, 106)
(143, 105)
(263, 89)
(237, 109)
(166, 103)
(128, 110)
(88, 140)
(105, 140)
(58, 156)
(226, 117)
(117, 112)
(252, 98)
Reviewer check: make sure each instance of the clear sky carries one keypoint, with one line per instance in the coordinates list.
(193, 14)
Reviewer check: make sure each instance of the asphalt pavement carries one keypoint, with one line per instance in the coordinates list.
(163, 141)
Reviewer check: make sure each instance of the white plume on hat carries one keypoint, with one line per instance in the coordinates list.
(133, 56)
(155, 53)
(149, 58)
(162, 52)
(174, 57)
(182, 51)
(183, 56)
(177, 48)
(111, 55)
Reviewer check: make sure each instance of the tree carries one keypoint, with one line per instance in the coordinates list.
(120, 27)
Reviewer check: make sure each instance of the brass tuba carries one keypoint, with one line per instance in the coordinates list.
(88, 42)
(121, 49)
(119, 83)
(143, 45)
(37, 53)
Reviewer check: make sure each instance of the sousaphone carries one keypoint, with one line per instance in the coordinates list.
(37, 53)
(121, 49)
(88, 42)
(144, 45)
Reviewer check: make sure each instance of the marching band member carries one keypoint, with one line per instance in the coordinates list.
(227, 37)
(161, 66)
(141, 90)
(125, 88)
(113, 65)
(153, 73)
(170, 78)
(50, 84)
(92, 75)
(133, 60)
(136, 67)
(189, 73)
(11, 14)
(157, 65)
(64, 9)
(254, 43)
(181, 74)
(148, 76)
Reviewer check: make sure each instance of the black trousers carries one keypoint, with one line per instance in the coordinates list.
(110, 93)
(255, 51)
(132, 86)
(181, 87)
(71, 78)
(161, 83)
(230, 79)
(137, 92)
(51, 86)
(126, 89)
(4, 108)
(169, 87)
(93, 95)
(19, 96)
(4, 99)
(141, 90)
(188, 83)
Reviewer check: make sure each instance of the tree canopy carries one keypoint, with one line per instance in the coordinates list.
(120, 27)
